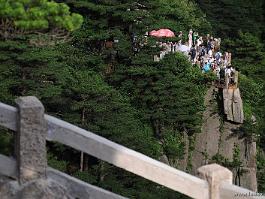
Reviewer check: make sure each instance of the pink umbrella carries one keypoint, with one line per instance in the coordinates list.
(162, 33)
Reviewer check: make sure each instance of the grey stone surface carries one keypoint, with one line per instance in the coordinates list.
(233, 105)
(183, 162)
(247, 150)
(215, 175)
(36, 189)
(216, 139)
(8, 166)
(57, 183)
(207, 142)
(229, 191)
(238, 115)
(79, 189)
(44, 189)
(8, 116)
(31, 139)
(248, 178)
(8, 188)
(164, 159)
(228, 99)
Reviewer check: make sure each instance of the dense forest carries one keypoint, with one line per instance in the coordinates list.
(90, 64)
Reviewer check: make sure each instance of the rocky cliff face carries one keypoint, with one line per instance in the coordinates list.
(221, 141)
(233, 105)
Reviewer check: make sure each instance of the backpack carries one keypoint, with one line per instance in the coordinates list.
(217, 56)
(202, 53)
(193, 52)
(222, 73)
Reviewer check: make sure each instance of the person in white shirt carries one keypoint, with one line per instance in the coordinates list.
(210, 53)
(228, 71)
(190, 38)
(218, 69)
(226, 58)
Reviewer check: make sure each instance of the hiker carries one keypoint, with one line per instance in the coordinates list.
(210, 53)
(222, 75)
(218, 70)
(180, 35)
(202, 51)
(195, 37)
(190, 38)
(218, 56)
(206, 67)
(216, 45)
(229, 71)
(209, 46)
(175, 47)
(226, 59)
(199, 42)
(192, 53)
(232, 75)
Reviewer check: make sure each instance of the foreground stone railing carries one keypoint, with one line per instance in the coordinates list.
(33, 127)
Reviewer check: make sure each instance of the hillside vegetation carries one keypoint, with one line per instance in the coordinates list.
(119, 92)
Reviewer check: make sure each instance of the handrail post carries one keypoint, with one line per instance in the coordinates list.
(226, 81)
(215, 175)
(31, 140)
(236, 78)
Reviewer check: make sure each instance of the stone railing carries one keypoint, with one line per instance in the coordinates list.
(33, 128)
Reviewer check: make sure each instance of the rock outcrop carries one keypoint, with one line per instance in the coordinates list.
(233, 105)
(222, 138)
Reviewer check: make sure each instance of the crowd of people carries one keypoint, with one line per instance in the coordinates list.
(202, 51)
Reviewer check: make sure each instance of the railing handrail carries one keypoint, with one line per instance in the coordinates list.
(8, 116)
(120, 156)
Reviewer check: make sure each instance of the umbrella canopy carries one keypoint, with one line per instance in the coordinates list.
(162, 33)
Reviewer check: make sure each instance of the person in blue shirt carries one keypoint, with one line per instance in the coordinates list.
(206, 67)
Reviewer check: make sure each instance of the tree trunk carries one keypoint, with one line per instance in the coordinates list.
(156, 127)
(82, 153)
(82, 161)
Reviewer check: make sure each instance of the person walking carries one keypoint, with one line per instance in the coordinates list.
(180, 35)
(190, 38)
(192, 54)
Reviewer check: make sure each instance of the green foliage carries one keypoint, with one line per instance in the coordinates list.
(86, 176)
(107, 112)
(236, 157)
(6, 142)
(135, 104)
(56, 164)
(251, 90)
(114, 91)
(174, 145)
(39, 15)
(227, 17)
(163, 92)
(248, 54)
(235, 163)
(261, 170)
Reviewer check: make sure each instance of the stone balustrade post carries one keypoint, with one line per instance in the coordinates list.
(226, 81)
(30, 140)
(236, 78)
(215, 174)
